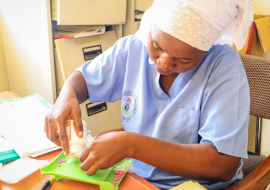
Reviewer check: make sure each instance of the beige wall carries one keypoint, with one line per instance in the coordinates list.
(261, 7)
(28, 47)
(4, 84)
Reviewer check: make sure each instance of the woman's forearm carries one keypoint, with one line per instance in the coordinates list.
(75, 86)
(111, 130)
(66, 107)
(193, 161)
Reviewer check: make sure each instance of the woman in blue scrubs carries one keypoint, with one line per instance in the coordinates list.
(184, 92)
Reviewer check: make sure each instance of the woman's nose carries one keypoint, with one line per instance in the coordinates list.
(165, 62)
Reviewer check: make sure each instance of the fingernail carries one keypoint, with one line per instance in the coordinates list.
(80, 133)
(65, 153)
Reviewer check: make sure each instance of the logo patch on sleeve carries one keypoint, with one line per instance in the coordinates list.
(129, 105)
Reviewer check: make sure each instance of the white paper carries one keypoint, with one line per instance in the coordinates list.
(98, 31)
(4, 146)
(22, 123)
(0, 169)
(17, 170)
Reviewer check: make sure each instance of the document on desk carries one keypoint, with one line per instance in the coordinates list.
(22, 124)
(15, 171)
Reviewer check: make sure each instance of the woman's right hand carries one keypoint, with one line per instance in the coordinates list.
(66, 108)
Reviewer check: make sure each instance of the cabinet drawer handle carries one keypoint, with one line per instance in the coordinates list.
(95, 108)
(138, 12)
(91, 52)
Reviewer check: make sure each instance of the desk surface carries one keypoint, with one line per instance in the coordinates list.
(36, 180)
(8, 95)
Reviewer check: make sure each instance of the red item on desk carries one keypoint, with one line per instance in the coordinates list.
(63, 37)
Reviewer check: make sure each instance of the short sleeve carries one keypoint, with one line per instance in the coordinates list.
(225, 112)
(104, 75)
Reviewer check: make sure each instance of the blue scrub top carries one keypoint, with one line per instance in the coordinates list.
(211, 101)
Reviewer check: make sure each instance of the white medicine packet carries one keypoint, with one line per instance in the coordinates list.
(16, 170)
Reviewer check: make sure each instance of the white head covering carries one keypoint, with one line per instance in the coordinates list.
(200, 23)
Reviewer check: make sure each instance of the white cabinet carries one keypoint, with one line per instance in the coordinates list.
(73, 53)
(143, 5)
(135, 10)
(89, 12)
(26, 29)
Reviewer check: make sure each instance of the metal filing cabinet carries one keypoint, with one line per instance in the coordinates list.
(26, 29)
(71, 54)
(89, 12)
(135, 10)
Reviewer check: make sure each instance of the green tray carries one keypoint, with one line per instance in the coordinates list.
(103, 178)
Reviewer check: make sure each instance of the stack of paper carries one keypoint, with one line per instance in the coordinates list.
(22, 124)
(15, 171)
(76, 32)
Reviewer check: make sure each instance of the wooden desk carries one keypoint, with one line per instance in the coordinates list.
(8, 95)
(36, 180)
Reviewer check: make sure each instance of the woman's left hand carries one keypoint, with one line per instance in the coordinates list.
(105, 151)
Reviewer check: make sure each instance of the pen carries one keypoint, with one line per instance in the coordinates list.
(47, 184)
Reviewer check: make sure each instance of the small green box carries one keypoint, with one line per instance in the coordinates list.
(8, 156)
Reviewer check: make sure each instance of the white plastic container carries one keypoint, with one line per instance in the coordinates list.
(76, 144)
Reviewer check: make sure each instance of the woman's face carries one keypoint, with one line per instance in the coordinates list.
(171, 55)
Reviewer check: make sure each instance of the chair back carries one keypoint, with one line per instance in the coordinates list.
(258, 74)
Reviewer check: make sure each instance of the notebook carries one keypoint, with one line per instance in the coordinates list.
(22, 125)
